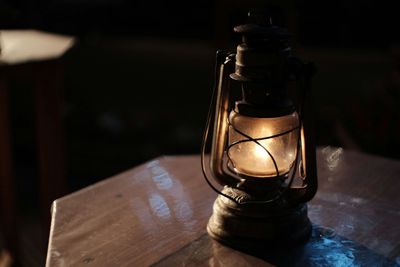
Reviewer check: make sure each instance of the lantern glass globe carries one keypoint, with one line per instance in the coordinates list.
(256, 158)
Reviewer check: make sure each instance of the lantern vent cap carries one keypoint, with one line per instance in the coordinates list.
(260, 26)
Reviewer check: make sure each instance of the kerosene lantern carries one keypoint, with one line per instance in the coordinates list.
(262, 150)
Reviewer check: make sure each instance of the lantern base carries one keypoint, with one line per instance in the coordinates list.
(257, 226)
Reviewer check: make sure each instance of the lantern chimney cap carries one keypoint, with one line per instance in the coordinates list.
(260, 26)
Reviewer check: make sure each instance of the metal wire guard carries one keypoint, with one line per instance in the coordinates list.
(256, 141)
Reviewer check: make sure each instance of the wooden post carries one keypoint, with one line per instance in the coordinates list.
(49, 135)
(8, 218)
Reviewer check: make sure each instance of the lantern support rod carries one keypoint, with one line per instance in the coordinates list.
(308, 164)
(218, 150)
(221, 91)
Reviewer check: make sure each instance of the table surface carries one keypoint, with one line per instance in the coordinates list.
(156, 214)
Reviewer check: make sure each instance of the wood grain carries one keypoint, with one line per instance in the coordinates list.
(143, 216)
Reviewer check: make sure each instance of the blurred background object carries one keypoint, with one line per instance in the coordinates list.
(138, 83)
(34, 58)
(22, 46)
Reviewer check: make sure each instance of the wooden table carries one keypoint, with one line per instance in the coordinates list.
(156, 214)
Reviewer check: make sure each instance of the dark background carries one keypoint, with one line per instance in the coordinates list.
(138, 83)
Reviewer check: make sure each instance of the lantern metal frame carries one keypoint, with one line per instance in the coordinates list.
(249, 210)
(219, 107)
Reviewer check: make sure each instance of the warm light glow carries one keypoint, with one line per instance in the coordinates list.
(260, 153)
(252, 159)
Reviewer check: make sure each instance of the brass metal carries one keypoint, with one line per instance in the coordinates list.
(257, 226)
(220, 121)
(308, 167)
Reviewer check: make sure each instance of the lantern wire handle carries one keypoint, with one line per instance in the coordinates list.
(220, 55)
(249, 138)
(256, 140)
